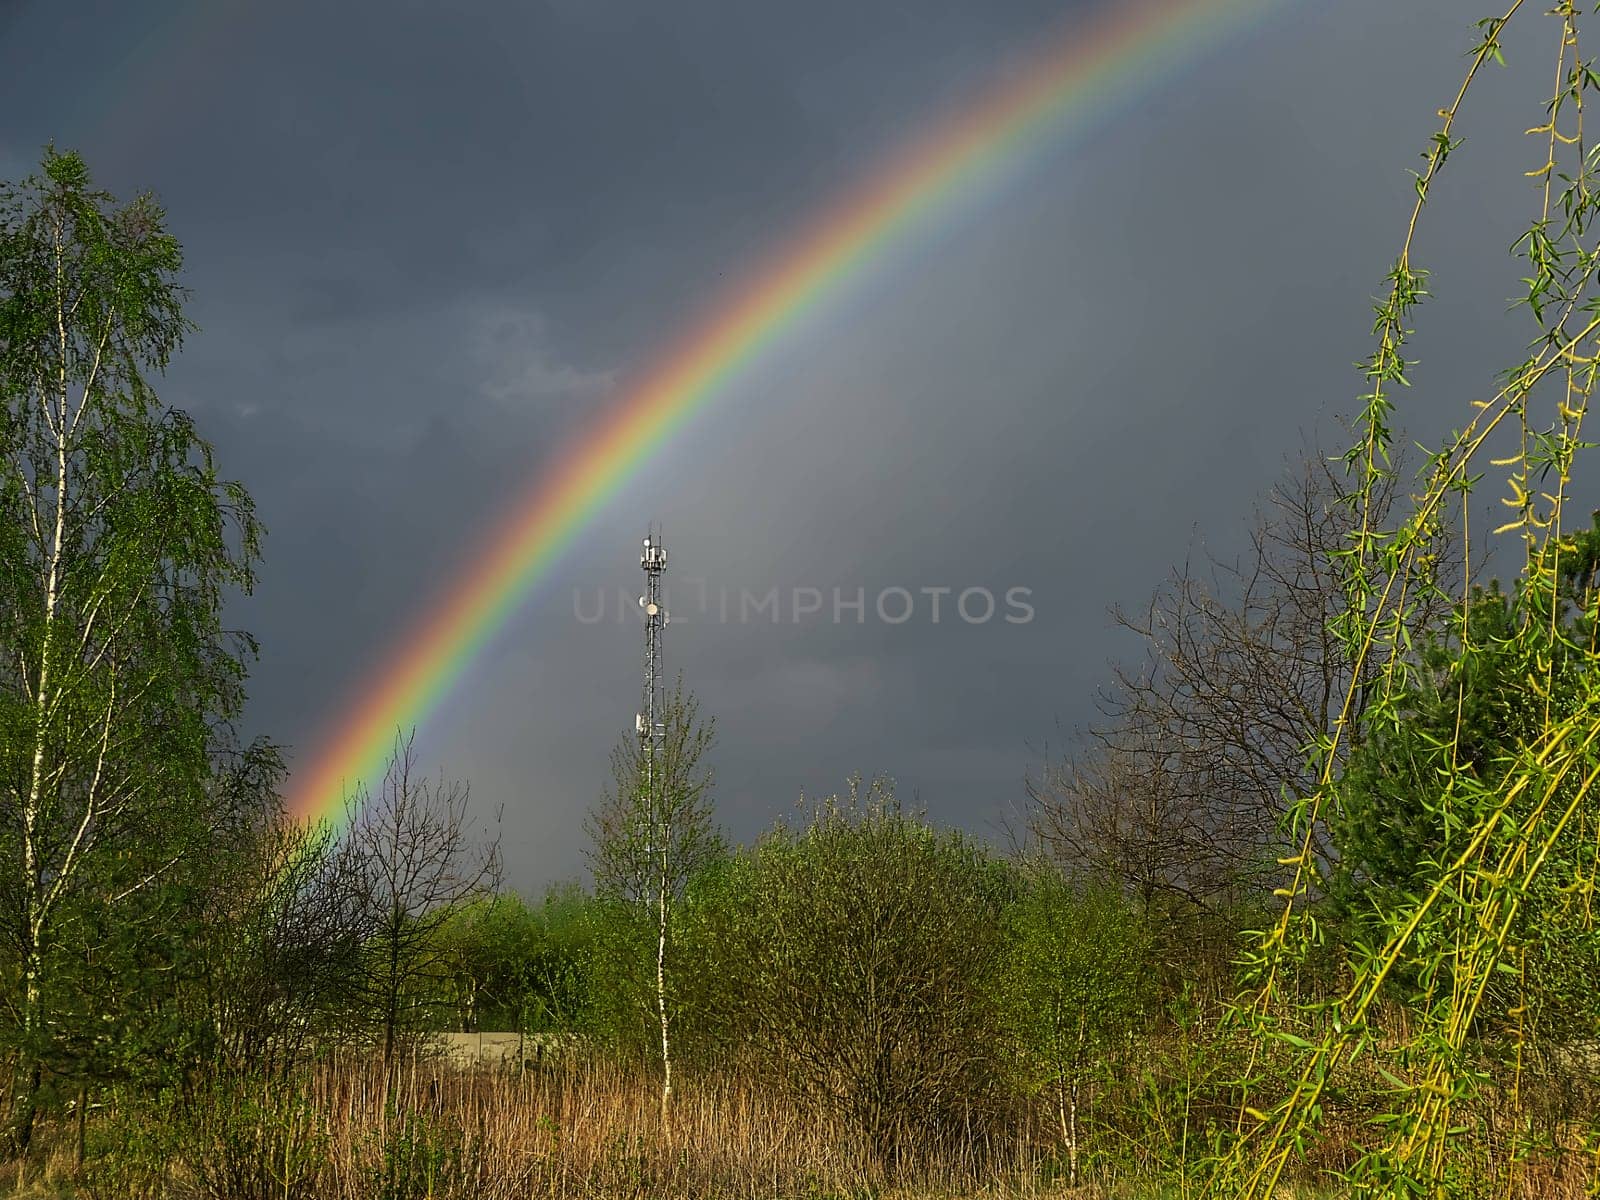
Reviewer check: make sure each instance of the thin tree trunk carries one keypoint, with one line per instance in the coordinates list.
(33, 897)
(83, 1118)
(391, 1000)
(661, 1001)
(32, 1076)
(1072, 1104)
(1072, 1141)
(1061, 1113)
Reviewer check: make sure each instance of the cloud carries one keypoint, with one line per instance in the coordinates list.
(428, 253)
(518, 369)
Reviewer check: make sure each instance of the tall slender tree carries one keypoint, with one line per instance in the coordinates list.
(118, 543)
(652, 831)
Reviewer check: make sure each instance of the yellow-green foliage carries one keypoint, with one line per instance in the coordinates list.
(1456, 930)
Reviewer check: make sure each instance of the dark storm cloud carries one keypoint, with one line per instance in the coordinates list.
(429, 243)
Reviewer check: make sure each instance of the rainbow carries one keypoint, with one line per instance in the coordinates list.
(1093, 70)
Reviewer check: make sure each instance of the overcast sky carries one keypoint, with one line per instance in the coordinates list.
(429, 244)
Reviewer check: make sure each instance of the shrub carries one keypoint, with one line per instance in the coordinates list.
(1070, 990)
(851, 956)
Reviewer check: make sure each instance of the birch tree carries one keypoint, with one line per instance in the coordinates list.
(1069, 990)
(652, 831)
(118, 542)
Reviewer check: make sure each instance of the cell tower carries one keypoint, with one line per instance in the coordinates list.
(651, 724)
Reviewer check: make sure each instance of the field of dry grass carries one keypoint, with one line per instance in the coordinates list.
(581, 1129)
(576, 1129)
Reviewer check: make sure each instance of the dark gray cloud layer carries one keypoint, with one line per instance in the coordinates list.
(430, 243)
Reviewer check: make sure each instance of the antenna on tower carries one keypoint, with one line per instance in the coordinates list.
(651, 722)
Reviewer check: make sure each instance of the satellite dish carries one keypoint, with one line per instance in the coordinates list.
(652, 609)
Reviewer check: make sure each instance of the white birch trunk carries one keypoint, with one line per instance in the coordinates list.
(661, 998)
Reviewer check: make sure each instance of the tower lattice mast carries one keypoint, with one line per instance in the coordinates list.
(651, 722)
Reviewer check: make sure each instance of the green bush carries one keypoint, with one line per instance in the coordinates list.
(849, 959)
(1071, 990)
(418, 1156)
(518, 967)
(254, 1142)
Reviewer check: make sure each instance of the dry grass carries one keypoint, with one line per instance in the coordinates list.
(587, 1129)
(576, 1129)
